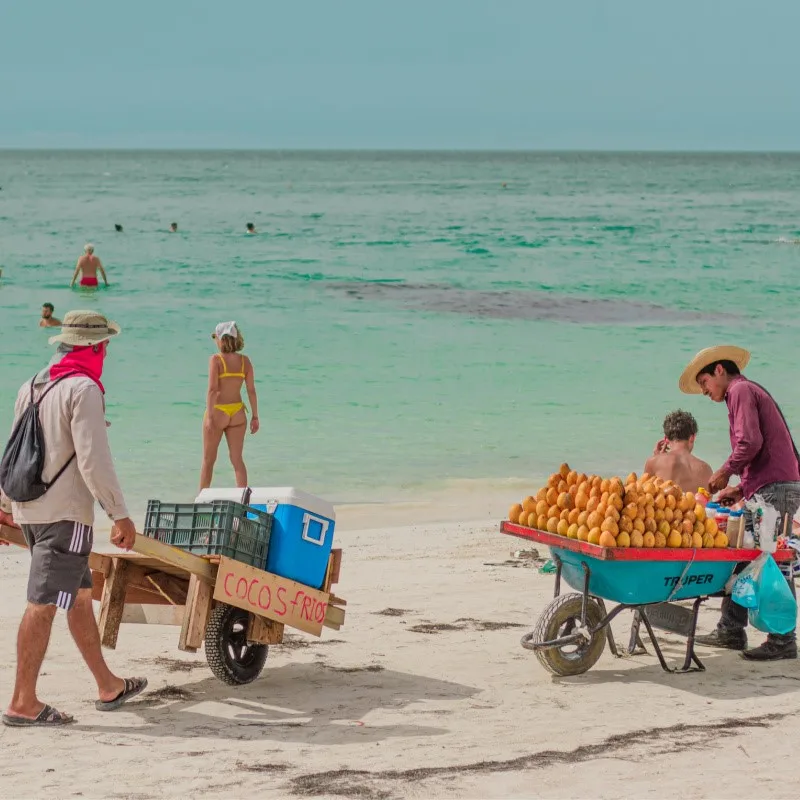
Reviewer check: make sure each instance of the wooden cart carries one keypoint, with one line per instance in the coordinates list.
(236, 609)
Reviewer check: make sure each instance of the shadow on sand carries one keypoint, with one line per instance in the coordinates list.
(308, 703)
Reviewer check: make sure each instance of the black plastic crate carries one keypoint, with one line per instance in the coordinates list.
(221, 527)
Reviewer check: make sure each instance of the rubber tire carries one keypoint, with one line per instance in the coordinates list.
(219, 633)
(553, 618)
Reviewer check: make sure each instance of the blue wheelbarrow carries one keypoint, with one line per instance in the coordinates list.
(571, 633)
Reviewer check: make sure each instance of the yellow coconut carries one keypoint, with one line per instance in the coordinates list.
(572, 532)
(674, 539)
(607, 540)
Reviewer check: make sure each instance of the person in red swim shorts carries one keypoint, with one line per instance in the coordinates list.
(87, 267)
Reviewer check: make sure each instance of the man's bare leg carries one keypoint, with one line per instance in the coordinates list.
(32, 640)
(83, 627)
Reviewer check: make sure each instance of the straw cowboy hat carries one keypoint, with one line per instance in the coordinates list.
(84, 328)
(722, 352)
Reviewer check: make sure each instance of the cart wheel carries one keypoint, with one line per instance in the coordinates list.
(561, 618)
(228, 653)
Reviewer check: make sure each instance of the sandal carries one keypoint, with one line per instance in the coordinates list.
(133, 686)
(47, 716)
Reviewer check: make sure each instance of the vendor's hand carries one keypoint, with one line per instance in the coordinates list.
(730, 496)
(662, 446)
(718, 481)
(254, 425)
(123, 533)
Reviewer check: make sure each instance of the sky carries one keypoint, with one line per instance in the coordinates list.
(376, 74)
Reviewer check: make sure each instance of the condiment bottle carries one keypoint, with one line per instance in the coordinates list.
(721, 518)
(735, 530)
(702, 497)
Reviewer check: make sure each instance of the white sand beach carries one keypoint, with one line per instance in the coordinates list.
(425, 692)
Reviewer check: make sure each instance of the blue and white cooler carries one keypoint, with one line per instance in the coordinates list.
(302, 529)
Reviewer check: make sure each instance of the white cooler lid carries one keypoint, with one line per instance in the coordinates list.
(283, 495)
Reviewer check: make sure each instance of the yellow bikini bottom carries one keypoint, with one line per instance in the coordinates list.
(231, 408)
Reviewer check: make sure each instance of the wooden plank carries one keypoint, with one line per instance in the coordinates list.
(334, 617)
(13, 536)
(173, 589)
(113, 603)
(135, 592)
(140, 614)
(98, 562)
(332, 572)
(336, 555)
(148, 552)
(178, 558)
(337, 601)
(199, 601)
(271, 596)
(264, 631)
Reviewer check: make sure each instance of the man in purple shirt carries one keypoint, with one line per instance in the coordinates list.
(764, 456)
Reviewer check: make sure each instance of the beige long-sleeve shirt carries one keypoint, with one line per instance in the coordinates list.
(73, 420)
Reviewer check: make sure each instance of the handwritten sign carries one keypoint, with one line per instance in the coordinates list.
(271, 596)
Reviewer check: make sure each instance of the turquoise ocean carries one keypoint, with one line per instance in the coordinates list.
(415, 319)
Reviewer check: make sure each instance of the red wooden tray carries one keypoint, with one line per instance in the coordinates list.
(639, 553)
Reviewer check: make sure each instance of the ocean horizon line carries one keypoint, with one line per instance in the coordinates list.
(305, 151)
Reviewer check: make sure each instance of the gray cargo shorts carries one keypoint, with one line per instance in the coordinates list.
(59, 562)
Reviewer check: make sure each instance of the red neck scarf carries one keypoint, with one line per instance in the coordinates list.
(86, 361)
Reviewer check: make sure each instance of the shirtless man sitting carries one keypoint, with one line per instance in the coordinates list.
(673, 459)
(87, 267)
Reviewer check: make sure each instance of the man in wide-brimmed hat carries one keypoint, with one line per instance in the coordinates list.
(763, 455)
(78, 469)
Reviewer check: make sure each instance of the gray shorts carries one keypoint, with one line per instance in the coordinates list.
(59, 562)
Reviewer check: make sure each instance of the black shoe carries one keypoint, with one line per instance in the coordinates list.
(772, 651)
(730, 640)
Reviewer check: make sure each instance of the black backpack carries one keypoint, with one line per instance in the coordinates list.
(23, 459)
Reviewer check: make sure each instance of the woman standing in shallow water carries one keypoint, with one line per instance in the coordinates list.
(225, 413)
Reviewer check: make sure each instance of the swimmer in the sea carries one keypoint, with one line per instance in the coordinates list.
(117, 227)
(173, 227)
(251, 228)
(48, 320)
(88, 266)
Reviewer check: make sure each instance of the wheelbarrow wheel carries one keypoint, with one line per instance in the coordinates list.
(562, 618)
(232, 659)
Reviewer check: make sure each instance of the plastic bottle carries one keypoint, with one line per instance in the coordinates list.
(735, 528)
(721, 518)
(748, 542)
(702, 497)
(711, 510)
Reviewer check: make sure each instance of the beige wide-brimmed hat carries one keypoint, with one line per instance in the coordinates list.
(84, 328)
(722, 352)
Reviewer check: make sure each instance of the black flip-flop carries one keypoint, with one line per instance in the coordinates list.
(48, 716)
(133, 686)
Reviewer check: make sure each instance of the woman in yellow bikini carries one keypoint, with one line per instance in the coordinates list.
(225, 413)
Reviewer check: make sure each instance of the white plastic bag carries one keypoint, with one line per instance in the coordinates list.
(767, 523)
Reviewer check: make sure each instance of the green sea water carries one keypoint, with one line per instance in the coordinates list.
(414, 318)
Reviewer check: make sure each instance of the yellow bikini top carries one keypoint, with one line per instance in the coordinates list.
(225, 373)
